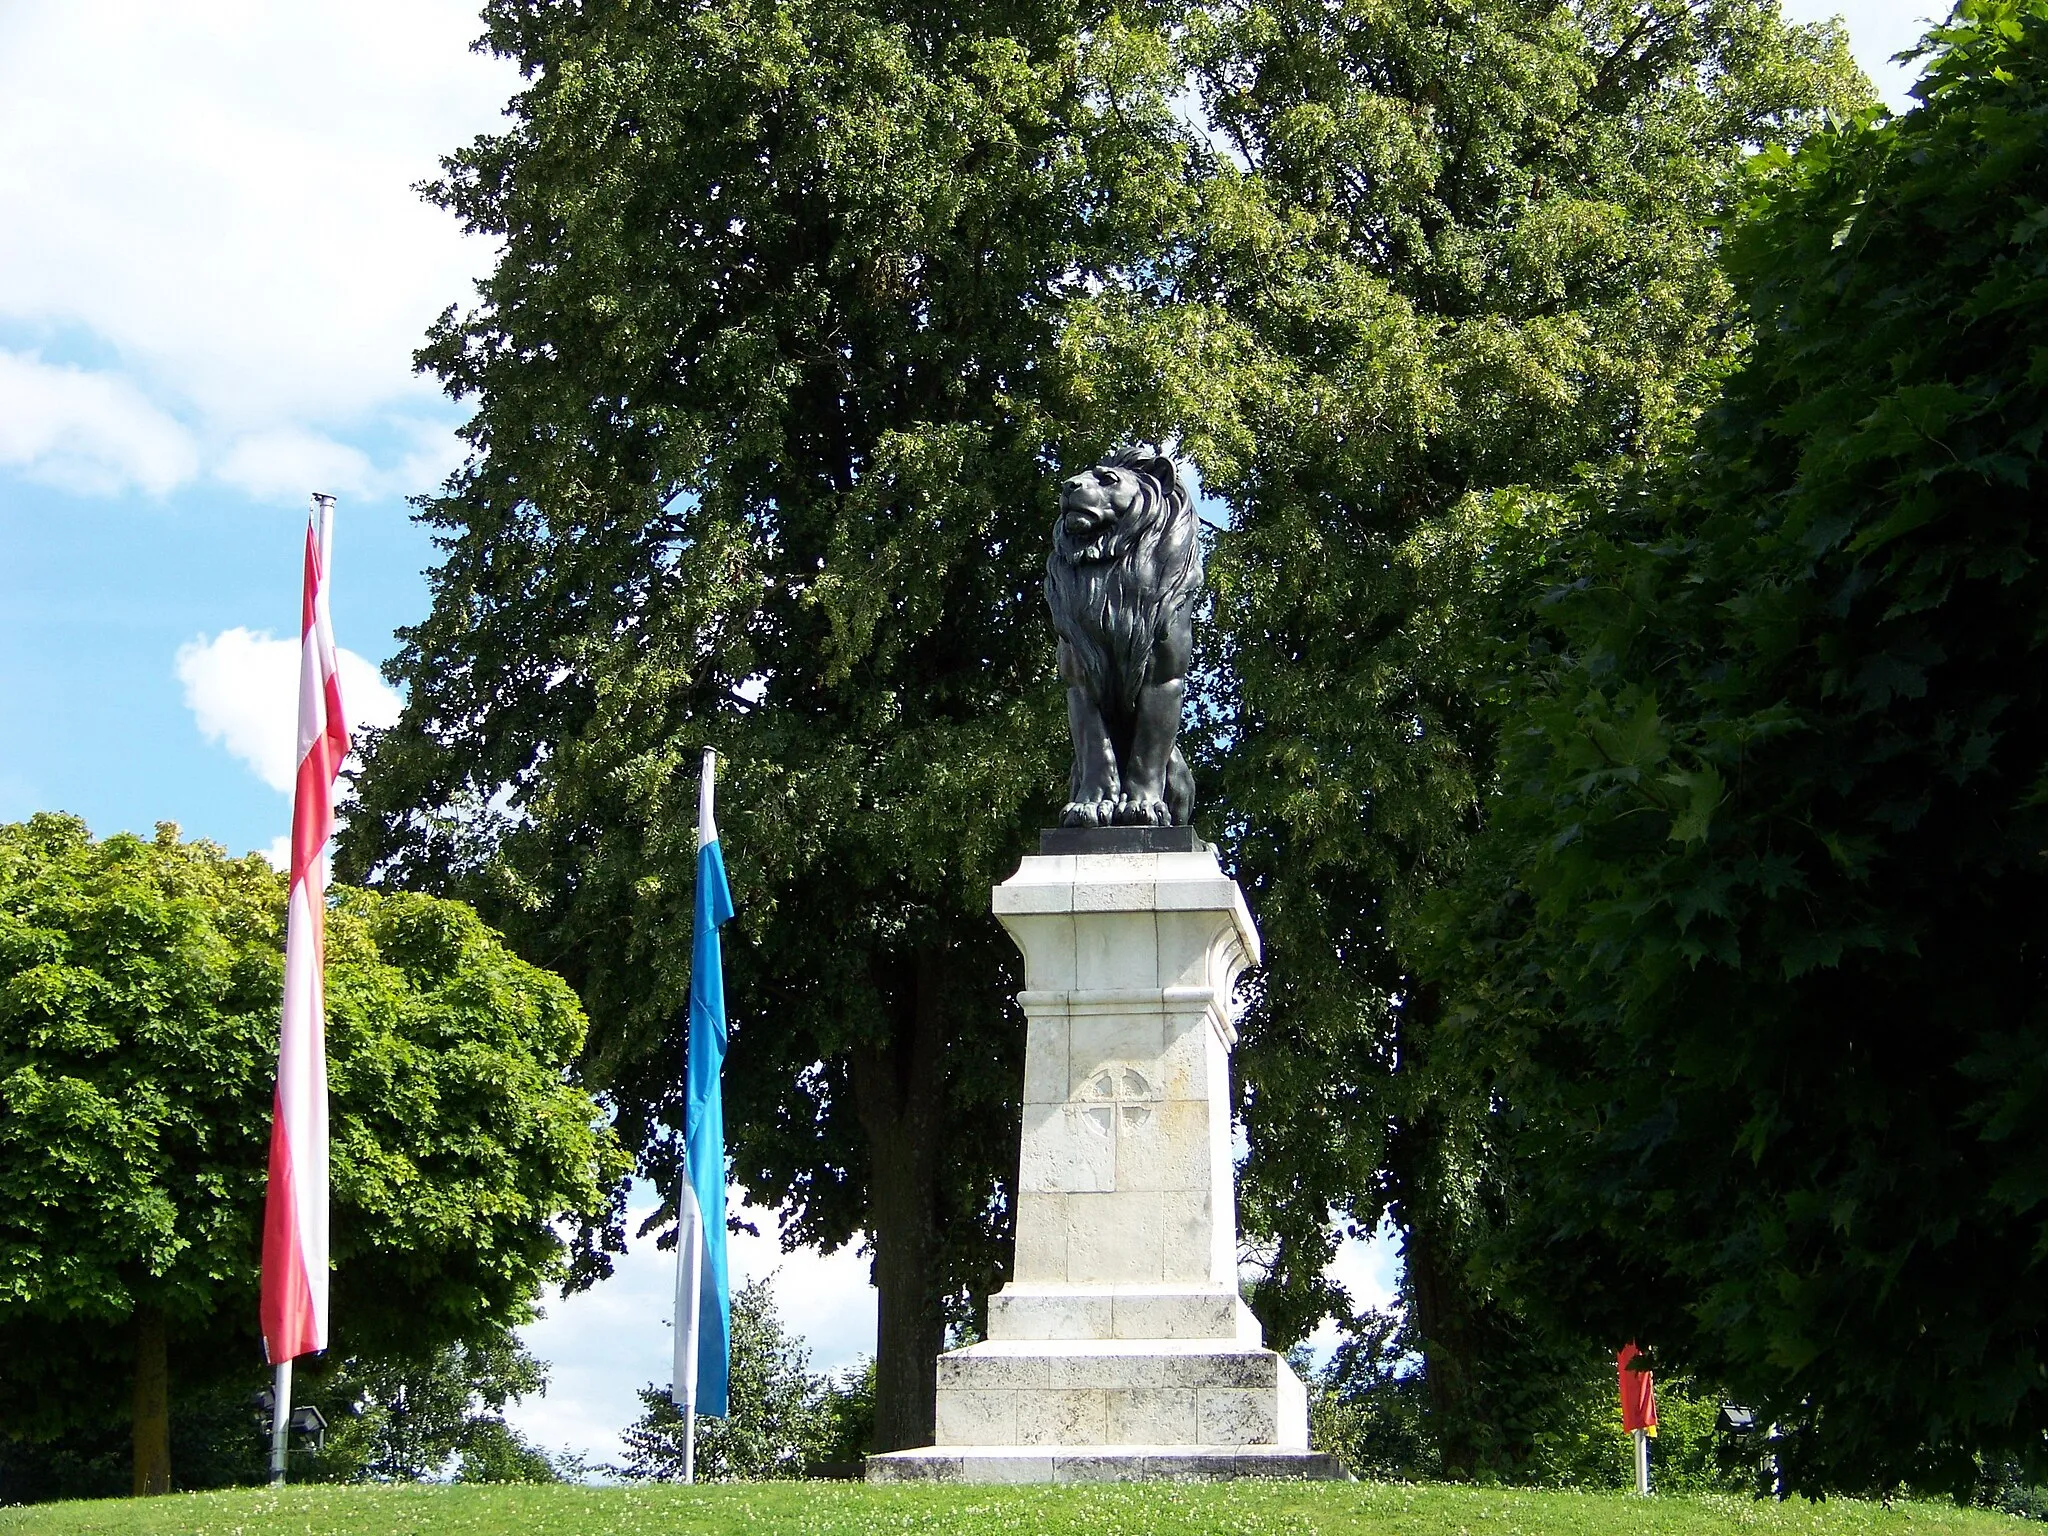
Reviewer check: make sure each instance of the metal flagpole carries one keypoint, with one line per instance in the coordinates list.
(693, 1268)
(689, 1309)
(1642, 1461)
(326, 505)
(280, 1419)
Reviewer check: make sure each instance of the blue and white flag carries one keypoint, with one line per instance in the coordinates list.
(703, 1300)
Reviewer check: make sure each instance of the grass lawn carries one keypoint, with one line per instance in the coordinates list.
(771, 1509)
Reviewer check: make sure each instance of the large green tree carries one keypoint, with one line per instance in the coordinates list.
(1756, 945)
(139, 990)
(1502, 269)
(768, 408)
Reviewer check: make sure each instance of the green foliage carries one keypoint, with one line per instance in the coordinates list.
(1690, 1453)
(2005, 1487)
(1581, 1443)
(782, 1420)
(138, 979)
(1365, 1404)
(1501, 271)
(387, 1422)
(1369, 1405)
(139, 989)
(1756, 948)
(402, 1421)
(852, 1398)
(494, 1452)
(797, 316)
(1254, 1508)
(218, 1439)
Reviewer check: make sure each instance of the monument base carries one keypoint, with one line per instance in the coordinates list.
(1112, 1410)
(1121, 1350)
(1079, 1393)
(1102, 1464)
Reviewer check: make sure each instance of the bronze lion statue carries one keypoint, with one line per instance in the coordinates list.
(1123, 580)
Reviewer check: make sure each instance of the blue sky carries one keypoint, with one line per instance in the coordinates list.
(212, 276)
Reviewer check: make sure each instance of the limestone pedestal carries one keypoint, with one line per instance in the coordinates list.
(1121, 1349)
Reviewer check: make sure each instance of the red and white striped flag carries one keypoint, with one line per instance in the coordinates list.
(294, 1305)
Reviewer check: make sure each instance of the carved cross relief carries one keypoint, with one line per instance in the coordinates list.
(1118, 1088)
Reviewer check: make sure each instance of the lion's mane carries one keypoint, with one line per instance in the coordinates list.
(1112, 596)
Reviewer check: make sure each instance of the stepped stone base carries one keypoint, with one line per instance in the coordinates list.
(1121, 1312)
(1113, 1410)
(1080, 1394)
(1102, 1464)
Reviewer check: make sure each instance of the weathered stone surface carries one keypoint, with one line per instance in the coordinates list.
(1102, 1363)
(1154, 1416)
(1088, 1392)
(1062, 1416)
(1130, 964)
(1126, 1464)
(1002, 1369)
(969, 1417)
(1026, 1310)
(1121, 1349)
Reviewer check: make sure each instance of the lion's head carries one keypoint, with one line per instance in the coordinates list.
(1107, 509)
(1126, 559)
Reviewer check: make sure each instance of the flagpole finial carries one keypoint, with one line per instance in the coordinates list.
(707, 824)
(323, 520)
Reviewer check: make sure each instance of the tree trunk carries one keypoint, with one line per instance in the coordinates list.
(899, 1092)
(1436, 1290)
(1431, 1253)
(152, 1404)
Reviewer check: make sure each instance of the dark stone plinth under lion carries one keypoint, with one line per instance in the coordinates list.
(1122, 581)
(1059, 840)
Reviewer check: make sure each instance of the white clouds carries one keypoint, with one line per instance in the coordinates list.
(288, 462)
(242, 687)
(89, 432)
(603, 1345)
(219, 196)
(1369, 1269)
(435, 454)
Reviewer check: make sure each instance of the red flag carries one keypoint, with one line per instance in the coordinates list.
(1638, 1392)
(294, 1302)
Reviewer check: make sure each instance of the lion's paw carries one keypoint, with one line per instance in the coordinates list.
(1088, 813)
(1139, 811)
